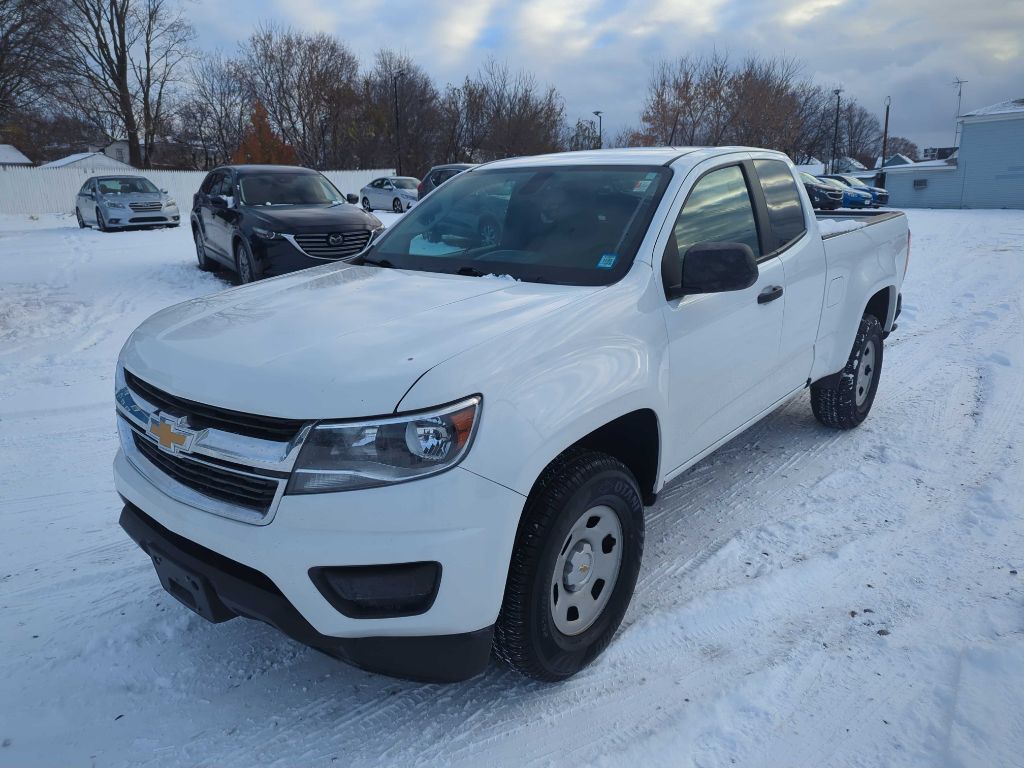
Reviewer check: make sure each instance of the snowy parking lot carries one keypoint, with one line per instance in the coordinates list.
(807, 597)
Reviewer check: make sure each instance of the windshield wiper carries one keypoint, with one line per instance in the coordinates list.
(376, 262)
(469, 272)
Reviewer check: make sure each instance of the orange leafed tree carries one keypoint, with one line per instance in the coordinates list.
(261, 145)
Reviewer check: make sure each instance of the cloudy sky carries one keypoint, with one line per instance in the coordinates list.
(599, 53)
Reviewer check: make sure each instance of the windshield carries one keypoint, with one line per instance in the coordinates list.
(406, 183)
(806, 178)
(570, 225)
(287, 189)
(854, 182)
(125, 185)
(832, 183)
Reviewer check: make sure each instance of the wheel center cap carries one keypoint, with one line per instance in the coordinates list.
(578, 567)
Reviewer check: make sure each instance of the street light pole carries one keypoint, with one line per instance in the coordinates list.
(398, 125)
(600, 131)
(885, 142)
(835, 137)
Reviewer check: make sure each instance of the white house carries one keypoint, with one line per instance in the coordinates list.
(987, 171)
(11, 157)
(89, 161)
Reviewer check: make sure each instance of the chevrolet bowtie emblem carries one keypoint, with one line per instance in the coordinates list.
(171, 434)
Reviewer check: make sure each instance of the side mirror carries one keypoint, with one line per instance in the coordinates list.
(218, 201)
(352, 199)
(165, 191)
(711, 268)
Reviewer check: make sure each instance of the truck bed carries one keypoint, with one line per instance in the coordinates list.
(850, 220)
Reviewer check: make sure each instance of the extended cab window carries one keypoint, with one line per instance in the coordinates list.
(718, 210)
(573, 225)
(785, 213)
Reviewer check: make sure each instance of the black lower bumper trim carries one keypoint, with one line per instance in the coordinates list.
(234, 589)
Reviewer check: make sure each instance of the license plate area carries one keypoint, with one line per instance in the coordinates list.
(189, 588)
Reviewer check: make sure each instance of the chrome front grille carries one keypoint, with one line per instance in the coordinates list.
(224, 462)
(333, 245)
(145, 207)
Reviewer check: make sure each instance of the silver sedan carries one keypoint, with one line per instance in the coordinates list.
(396, 193)
(120, 202)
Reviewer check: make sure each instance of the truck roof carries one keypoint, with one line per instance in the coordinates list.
(625, 156)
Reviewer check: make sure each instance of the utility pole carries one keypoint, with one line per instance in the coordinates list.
(398, 126)
(885, 143)
(835, 136)
(959, 98)
(600, 131)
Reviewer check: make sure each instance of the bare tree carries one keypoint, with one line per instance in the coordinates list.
(308, 84)
(117, 59)
(861, 134)
(214, 116)
(902, 146)
(26, 42)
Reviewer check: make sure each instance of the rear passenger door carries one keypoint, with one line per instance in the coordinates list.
(803, 263)
(723, 347)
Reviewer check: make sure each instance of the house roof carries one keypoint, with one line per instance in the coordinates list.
(11, 155)
(1002, 108)
(97, 159)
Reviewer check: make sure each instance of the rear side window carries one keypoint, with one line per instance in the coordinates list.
(718, 210)
(785, 213)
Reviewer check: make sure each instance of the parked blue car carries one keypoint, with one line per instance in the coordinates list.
(879, 196)
(852, 198)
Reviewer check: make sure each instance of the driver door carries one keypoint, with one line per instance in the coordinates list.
(723, 347)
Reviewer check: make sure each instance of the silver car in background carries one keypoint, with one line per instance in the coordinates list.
(395, 193)
(120, 202)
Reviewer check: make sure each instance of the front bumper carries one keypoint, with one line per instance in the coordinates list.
(458, 519)
(126, 219)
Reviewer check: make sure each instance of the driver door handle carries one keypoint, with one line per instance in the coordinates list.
(769, 294)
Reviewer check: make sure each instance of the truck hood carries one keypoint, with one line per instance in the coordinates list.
(338, 341)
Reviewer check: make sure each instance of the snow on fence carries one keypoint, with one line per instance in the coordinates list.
(53, 190)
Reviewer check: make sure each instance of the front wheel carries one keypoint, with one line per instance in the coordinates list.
(101, 223)
(396, 205)
(847, 403)
(366, 204)
(81, 221)
(245, 265)
(574, 566)
(204, 261)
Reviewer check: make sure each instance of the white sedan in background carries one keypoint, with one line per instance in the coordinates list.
(397, 193)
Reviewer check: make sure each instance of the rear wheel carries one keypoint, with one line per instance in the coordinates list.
(204, 261)
(245, 265)
(574, 566)
(847, 403)
(366, 204)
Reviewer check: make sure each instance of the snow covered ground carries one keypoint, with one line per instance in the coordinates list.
(807, 598)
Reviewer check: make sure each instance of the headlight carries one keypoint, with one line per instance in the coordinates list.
(170, 204)
(112, 204)
(266, 234)
(344, 456)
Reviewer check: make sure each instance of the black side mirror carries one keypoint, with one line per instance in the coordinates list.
(218, 201)
(352, 199)
(711, 268)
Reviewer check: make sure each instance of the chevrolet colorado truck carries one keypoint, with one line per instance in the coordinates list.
(443, 447)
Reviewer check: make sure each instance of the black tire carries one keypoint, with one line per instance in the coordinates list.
(81, 221)
(101, 224)
(837, 406)
(525, 635)
(366, 205)
(245, 265)
(396, 206)
(201, 256)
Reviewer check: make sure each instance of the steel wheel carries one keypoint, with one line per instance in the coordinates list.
(865, 373)
(586, 570)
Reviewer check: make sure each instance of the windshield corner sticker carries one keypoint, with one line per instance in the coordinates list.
(607, 261)
(641, 185)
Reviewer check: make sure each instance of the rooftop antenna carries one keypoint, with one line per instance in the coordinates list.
(959, 98)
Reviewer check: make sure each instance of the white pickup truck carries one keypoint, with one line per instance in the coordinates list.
(444, 447)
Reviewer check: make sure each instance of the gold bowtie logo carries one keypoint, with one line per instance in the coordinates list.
(165, 435)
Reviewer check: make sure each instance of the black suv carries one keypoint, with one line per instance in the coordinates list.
(265, 220)
(438, 175)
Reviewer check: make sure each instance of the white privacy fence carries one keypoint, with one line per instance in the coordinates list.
(53, 190)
